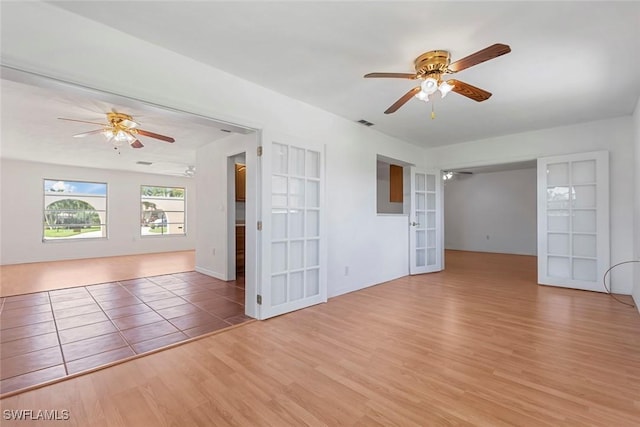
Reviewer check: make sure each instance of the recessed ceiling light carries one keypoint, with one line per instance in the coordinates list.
(139, 162)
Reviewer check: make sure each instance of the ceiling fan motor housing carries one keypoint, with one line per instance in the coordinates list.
(115, 118)
(432, 64)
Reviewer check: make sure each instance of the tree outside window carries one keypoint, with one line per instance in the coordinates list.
(74, 210)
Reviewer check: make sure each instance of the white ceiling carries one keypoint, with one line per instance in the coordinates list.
(31, 130)
(570, 62)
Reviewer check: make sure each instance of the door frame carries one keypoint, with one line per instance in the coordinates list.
(253, 209)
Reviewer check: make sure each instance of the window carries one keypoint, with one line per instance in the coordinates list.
(74, 210)
(162, 211)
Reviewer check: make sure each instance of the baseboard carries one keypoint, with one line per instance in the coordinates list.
(349, 289)
(211, 273)
(636, 301)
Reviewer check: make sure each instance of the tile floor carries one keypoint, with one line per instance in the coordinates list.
(49, 335)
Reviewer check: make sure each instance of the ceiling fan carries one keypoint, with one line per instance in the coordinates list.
(448, 175)
(190, 171)
(121, 128)
(433, 65)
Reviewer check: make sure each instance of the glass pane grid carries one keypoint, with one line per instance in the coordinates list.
(297, 189)
(280, 158)
(313, 164)
(573, 188)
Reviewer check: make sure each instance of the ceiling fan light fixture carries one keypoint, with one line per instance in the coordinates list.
(422, 96)
(445, 88)
(129, 124)
(429, 85)
(123, 136)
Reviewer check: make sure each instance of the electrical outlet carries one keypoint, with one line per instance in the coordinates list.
(213, 251)
(346, 270)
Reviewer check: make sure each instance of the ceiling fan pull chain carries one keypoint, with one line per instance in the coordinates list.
(433, 113)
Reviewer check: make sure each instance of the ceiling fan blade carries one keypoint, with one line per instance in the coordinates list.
(82, 121)
(391, 75)
(481, 56)
(403, 100)
(91, 132)
(470, 91)
(155, 135)
(136, 144)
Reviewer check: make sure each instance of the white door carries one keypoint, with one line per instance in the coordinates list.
(426, 248)
(573, 220)
(294, 262)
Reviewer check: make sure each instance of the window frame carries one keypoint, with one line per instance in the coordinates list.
(183, 211)
(104, 224)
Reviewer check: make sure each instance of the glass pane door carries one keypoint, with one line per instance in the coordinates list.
(573, 218)
(425, 223)
(294, 276)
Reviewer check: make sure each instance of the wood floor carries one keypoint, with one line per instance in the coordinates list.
(478, 344)
(19, 279)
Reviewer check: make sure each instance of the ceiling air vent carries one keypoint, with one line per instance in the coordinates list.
(139, 162)
(225, 130)
(365, 122)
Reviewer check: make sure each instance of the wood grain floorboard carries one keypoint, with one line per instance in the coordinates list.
(19, 279)
(480, 344)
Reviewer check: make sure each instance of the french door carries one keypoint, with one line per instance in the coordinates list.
(573, 220)
(426, 244)
(293, 270)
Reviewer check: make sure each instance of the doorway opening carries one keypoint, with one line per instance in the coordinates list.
(491, 208)
(237, 190)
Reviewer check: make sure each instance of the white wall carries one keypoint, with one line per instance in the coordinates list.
(636, 216)
(614, 135)
(492, 212)
(21, 186)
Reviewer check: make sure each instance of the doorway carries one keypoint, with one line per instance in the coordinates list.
(491, 208)
(554, 208)
(237, 165)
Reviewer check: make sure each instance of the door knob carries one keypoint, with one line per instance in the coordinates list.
(414, 224)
